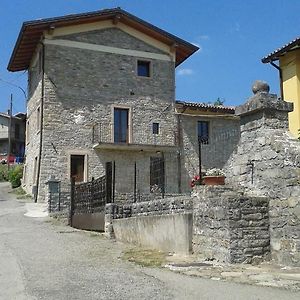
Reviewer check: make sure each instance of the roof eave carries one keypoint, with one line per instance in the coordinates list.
(187, 48)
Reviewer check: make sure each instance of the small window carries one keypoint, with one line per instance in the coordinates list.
(203, 132)
(40, 62)
(38, 119)
(27, 132)
(155, 128)
(17, 131)
(35, 170)
(143, 68)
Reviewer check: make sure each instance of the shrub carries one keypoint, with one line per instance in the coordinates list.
(15, 174)
(3, 173)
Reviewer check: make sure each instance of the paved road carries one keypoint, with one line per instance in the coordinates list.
(39, 260)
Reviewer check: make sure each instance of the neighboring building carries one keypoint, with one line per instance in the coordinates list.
(289, 71)
(102, 89)
(217, 128)
(17, 135)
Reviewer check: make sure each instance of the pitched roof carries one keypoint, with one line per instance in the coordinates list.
(275, 55)
(18, 116)
(32, 31)
(206, 107)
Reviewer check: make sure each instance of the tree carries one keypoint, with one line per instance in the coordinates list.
(219, 101)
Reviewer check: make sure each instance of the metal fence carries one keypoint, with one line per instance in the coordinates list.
(88, 197)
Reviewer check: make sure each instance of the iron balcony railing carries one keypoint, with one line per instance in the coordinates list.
(104, 133)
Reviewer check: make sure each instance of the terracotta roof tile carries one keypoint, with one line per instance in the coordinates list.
(207, 107)
(282, 50)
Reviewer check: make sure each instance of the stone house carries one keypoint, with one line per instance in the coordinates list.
(17, 134)
(101, 90)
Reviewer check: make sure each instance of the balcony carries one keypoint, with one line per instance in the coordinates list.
(138, 139)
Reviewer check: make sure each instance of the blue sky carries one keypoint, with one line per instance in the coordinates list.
(233, 36)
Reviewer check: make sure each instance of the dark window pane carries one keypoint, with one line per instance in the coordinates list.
(120, 125)
(17, 131)
(203, 132)
(155, 128)
(77, 167)
(143, 68)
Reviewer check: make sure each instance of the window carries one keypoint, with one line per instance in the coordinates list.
(27, 133)
(17, 131)
(157, 174)
(77, 167)
(40, 62)
(203, 132)
(121, 125)
(155, 128)
(143, 68)
(35, 170)
(38, 119)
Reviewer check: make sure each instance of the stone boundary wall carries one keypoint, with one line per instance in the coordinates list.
(159, 207)
(165, 206)
(166, 232)
(229, 226)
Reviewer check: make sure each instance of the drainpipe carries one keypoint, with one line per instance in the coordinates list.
(280, 78)
(41, 123)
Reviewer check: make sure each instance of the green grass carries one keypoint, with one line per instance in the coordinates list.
(145, 257)
(3, 173)
(20, 193)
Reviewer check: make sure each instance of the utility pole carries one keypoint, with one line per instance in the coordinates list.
(9, 131)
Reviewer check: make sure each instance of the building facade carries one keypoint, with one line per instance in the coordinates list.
(102, 90)
(288, 58)
(16, 130)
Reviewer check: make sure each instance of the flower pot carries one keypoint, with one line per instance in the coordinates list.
(214, 180)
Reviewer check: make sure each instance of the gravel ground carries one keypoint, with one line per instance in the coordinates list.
(42, 260)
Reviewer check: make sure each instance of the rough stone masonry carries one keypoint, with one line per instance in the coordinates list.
(267, 163)
(230, 226)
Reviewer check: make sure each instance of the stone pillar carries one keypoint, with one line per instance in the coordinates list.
(263, 110)
(266, 162)
(264, 127)
(53, 194)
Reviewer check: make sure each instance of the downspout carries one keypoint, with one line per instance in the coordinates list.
(280, 78)
(41, 123)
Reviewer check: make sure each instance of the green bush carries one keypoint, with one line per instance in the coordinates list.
(3, 173)
(15, 174)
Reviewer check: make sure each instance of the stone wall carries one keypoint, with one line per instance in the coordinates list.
(33, 131)
(164, 224)
(267, 163)
(170, 205)
(81, 89)
(229, 226)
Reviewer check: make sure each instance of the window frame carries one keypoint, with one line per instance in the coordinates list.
(203, 141)
(149, 62)
(86, 160)
(17, 131)
(129, 131)
(38, 119)
(155, 128)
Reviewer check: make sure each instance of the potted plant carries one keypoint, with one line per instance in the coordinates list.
(195, 181)
(214, 176)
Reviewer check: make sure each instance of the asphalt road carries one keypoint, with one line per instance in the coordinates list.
(40, 260)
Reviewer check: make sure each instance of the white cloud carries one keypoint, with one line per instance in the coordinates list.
(185, 72)
(203, 37)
